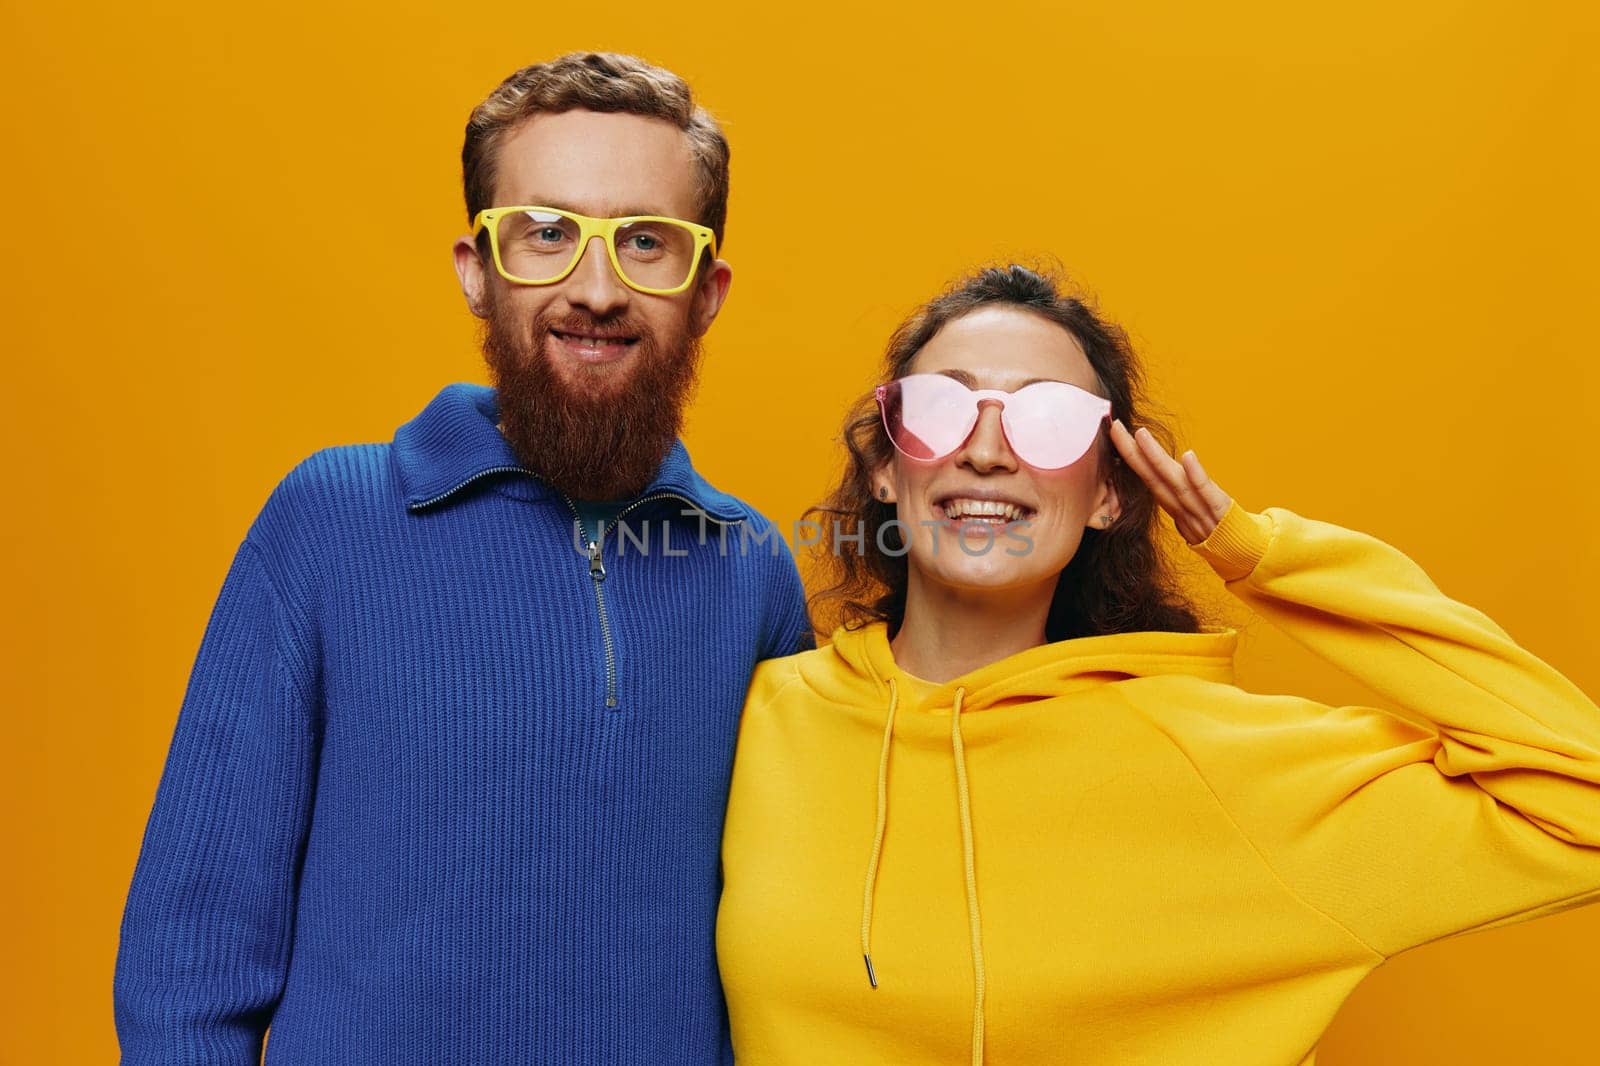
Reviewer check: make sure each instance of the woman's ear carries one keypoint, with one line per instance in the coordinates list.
(1107, 505)
(882, 488)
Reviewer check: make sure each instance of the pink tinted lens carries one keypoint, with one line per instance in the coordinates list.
(1051, 424)
(927, 415)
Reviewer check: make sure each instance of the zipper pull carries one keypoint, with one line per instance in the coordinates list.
(597, 569)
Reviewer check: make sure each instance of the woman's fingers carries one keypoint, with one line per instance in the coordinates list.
(1216, 501)
(1167, 469)
(1134, 454)
(1143, 452)
(1138, 458)
(1181, 487)
(1196, 509)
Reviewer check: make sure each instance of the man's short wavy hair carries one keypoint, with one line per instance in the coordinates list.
(596, 81)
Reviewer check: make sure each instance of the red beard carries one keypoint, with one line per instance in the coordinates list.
(592, 440)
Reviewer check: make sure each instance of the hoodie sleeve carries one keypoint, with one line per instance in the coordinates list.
(1479, 807)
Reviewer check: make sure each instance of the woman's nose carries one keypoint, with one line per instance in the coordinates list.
(986, 448)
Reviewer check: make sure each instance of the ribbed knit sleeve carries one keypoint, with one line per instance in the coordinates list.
(1478, 808)
(207, 927)
(788, 628)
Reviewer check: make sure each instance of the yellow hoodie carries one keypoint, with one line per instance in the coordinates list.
(1112, 854)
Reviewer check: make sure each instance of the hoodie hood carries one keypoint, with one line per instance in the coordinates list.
(863, 665)
(859, 669)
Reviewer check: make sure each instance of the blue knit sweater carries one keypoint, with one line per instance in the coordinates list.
(445, 789)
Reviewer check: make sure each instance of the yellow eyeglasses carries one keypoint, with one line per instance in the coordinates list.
(541, 245)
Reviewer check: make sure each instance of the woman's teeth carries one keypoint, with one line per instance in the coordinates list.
(982, 510)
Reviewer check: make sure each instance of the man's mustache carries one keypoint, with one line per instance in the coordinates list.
(624, 327)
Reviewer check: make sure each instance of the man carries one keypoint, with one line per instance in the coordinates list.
(445, 789)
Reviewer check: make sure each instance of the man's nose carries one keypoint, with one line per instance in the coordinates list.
(593, 283)
(986, 448)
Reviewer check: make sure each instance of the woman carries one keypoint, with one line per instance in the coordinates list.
(1018, 810)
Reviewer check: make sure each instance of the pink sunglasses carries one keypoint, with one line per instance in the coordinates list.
(1048, 424)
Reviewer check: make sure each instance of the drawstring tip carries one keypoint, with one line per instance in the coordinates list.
(872, 978)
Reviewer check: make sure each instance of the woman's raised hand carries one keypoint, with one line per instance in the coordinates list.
(1179, 485)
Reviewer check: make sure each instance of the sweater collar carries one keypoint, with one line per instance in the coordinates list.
(455, 443)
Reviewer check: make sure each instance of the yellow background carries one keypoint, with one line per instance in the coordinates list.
(1356, 243)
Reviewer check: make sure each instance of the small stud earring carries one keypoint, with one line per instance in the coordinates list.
(1105, 520)
(883, 494)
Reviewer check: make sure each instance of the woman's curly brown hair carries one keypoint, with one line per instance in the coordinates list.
(1118, 581)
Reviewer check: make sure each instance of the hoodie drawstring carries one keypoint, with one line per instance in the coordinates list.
(964, 801)
(877, 836)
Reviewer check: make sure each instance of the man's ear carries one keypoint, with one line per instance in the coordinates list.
(474, 280)
(710, 290)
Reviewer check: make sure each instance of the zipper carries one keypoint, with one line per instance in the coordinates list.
(458, 486)
(597, 574)
(597, 568)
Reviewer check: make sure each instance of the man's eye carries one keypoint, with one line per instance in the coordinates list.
(644, 242)
(548, 233)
